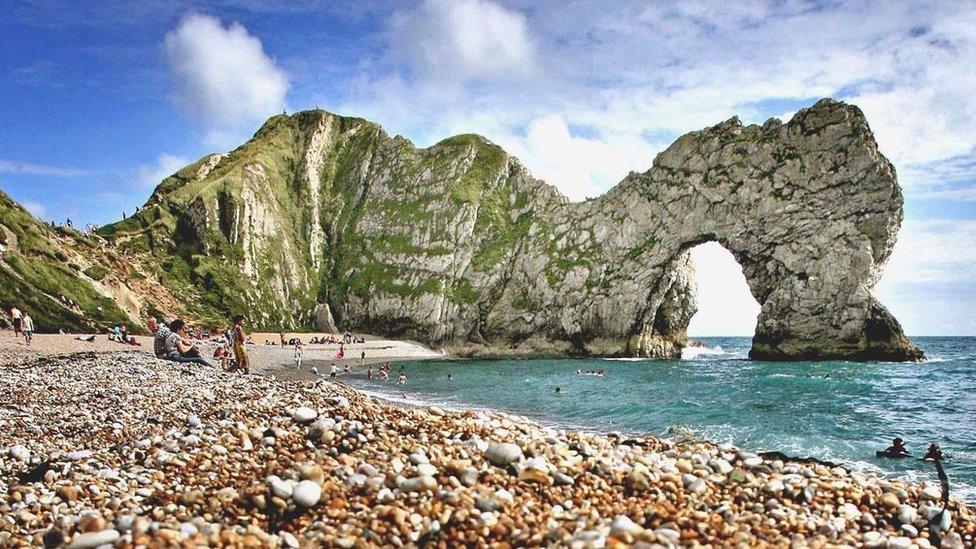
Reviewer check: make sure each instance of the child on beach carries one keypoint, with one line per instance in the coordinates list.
(27, 326)
(334, 371)
(243, 362)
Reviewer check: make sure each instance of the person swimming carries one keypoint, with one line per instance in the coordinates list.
(934, 453)
(896, 450)
(558, 390)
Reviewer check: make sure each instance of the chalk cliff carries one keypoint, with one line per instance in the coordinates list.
(322, 219)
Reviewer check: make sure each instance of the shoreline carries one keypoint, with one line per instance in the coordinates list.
(164, 453)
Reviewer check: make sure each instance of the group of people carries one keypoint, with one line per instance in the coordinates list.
(597, 373)
(23, 324)
(121, 334)
(898, 450)
(173, 341)
(386, 369)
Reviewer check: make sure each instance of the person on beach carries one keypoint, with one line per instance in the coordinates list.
(333, 371)
(18, 318)
(346, 369)
(362, 358)
(161, 333)
(27, 327)
(897, 449)
(240, 353)
(298, 355)
(281, 336)
(402, 378)
(341, 353)
(369, 372)
(934, 453)
(179, 348)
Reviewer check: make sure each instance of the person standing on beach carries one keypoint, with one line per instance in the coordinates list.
(362, 358)
(341, 353)
(298, 355)
(333, 371)
(28, 328)
(243, 362)
(18, 319)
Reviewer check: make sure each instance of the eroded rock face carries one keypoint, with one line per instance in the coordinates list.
(459, 246)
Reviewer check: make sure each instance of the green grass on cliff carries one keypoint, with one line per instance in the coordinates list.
(39, 277)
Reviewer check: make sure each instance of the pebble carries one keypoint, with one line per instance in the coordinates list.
(304, 414)
(78, 455)
(19, 452)
(502, 454)
(307, 493)
(623, 525)
(289, 540)
(93, 539)
(418, 484)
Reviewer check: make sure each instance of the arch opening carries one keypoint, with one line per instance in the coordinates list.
(726, 306)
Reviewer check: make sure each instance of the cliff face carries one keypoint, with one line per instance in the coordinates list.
(321, 218)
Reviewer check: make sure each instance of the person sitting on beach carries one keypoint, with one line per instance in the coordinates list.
(238, 341)
(346, 369)
(934, 453)
(178, 347)
(161, 333)
(897, 449)
(87, 339)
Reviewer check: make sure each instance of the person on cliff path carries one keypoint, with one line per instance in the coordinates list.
(18, 319)
(243, 361)
(28, 328)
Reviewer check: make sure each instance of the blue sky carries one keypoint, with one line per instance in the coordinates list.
(101, 100)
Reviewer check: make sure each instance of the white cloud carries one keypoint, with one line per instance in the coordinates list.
(455, 40)
(725, 306)
(35, 208)
(582, 167)
(166, 165)
(30, 168)
(224, 77)
(938, 251)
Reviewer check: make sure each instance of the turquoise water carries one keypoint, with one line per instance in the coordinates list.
(722, 396)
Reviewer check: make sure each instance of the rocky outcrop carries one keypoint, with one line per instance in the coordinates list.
(458, 245)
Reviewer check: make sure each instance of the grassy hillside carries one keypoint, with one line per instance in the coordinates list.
(40, 272)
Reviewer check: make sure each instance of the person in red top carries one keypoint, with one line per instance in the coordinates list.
(341, 353)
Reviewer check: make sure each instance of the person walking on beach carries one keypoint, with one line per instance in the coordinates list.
(28, 328)
(18, 318)
(333, 371)
(243, 361)
(298, 355)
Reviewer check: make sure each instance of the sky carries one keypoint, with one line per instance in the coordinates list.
(102, 100)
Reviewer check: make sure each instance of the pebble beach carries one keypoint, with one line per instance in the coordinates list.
(122, 449)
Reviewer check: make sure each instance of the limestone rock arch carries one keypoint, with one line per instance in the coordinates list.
(810, 210)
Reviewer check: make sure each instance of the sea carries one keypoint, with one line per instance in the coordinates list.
(836, 411)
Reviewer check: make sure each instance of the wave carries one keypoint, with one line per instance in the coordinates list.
(693, 351)
(627, 359)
